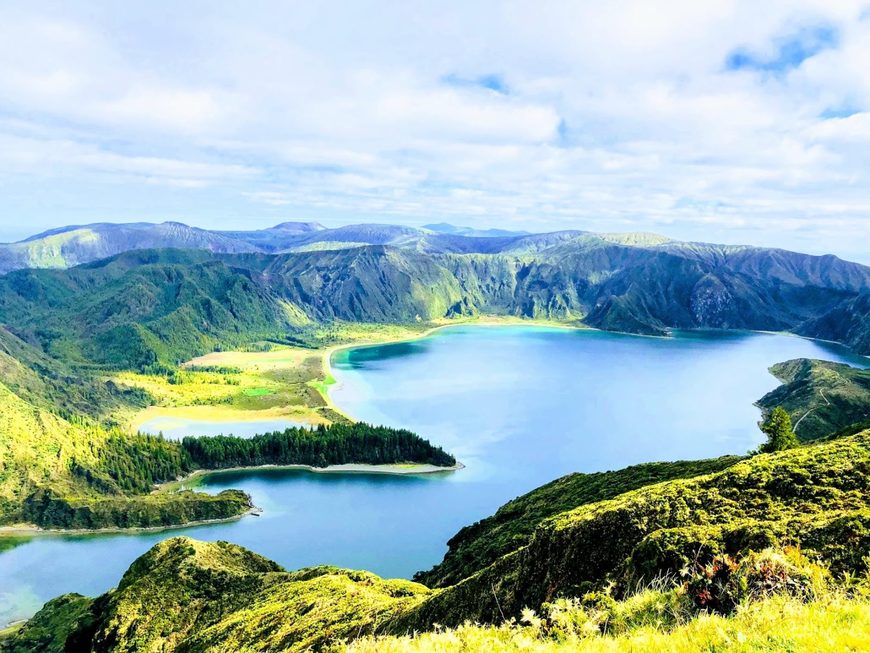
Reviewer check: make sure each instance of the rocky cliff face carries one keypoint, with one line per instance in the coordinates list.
(712, 305)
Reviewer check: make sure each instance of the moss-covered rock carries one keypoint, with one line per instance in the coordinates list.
(48, 630)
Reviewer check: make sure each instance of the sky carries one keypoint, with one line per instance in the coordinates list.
(722, 121)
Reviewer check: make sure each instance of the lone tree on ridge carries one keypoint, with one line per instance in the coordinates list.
(780, 434)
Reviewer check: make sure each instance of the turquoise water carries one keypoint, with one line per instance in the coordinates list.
(519, 406)
(176, 428)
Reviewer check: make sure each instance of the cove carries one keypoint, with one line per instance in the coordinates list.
(518, 405)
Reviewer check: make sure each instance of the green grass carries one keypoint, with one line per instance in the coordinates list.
(322, 385)
(221, 597)
(776, 625)
(63, 471)
(257, 392)
(167, 601)
(815, 495)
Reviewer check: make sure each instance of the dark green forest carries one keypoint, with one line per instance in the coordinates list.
(336, 444)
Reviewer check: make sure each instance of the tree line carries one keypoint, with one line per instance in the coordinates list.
(320, 446)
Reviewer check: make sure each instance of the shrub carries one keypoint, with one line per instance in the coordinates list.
(726, 582)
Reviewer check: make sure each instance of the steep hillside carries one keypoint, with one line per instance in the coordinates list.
(64, 465)
(50, 384)
(821, 397)
(730, 275)
(367, 284)
(512, 526)
(140, 307)
(817, 496)
(163, 306)
(645, 290)
(74, 474)
(719, 536)
(848, 322)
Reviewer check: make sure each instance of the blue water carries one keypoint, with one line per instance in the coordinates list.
(519, 406)
(176, 428)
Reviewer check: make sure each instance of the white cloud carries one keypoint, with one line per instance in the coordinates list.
(620, 115)
(24, 155)
(846, 130)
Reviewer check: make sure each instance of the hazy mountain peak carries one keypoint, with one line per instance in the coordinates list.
(454, 230)
(637, 238)
(300, 227)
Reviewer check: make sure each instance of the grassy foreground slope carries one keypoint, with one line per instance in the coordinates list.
(704, 532)
(480, 544)
(821, 397)
(185, 595)
(833, 625)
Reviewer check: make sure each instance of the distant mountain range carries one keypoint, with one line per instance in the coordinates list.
(225, 288)
(70, 246)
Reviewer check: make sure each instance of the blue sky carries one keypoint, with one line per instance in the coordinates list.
(740, 122)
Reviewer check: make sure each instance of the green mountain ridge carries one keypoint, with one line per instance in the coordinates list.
(821, 397)
(69, 246)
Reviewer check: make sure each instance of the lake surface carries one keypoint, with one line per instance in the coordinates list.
(519, 406)
(176, 428)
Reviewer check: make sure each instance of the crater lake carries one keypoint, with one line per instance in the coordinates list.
(519, 406)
